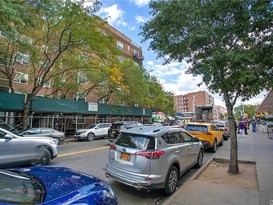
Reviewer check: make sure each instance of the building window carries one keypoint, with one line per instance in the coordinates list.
(46, 84)
(61, 96)
(102, 101)
(82, 79)
(120, 46)
(136, 53)
(80, 97)
(20, 78)
(22, 58)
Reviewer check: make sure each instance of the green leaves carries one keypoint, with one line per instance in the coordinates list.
(229, 43)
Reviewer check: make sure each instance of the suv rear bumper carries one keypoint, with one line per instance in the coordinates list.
(135, 180)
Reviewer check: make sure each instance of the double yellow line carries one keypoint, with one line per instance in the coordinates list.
(82, 151)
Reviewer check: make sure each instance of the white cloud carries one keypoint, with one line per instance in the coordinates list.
(113, 15)
(140, 19)
(141, 3)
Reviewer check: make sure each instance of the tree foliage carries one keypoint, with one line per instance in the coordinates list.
(228, 43)
(65, 38)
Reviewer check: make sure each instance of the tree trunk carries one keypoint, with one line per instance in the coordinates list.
(26, 110)
(233, 163)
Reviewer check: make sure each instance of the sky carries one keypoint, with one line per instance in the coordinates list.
(127, 16)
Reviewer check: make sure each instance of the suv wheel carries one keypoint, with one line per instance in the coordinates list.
(214, 147)
(171, 181)
(90, 137)
(200, 158)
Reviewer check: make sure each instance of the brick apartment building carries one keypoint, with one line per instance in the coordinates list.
(187, 102)
(23, 84)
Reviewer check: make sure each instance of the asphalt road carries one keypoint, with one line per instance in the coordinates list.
(91, 157)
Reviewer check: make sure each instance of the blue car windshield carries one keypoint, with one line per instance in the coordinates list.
(16, 188)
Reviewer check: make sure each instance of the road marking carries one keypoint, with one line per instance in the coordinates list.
(82, 151)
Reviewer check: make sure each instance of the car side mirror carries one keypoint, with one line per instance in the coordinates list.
(8, 137)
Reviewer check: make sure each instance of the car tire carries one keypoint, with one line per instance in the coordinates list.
(200, 158)
(171, 181)
(222, 142)
(46, 157)
(214, 147)
(90, 137)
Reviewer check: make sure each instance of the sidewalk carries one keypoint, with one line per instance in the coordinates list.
(254, 147)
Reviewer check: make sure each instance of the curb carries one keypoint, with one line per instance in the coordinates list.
(194, 176)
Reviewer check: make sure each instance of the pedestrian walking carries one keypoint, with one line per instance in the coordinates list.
(254, 126)
(242, 128)
(245, 125)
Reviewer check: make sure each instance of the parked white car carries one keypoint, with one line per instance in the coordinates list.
(16, 150)
(94, 131)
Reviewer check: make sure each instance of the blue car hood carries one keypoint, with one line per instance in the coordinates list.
(64, 184)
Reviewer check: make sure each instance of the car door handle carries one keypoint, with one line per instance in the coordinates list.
(189, 147)
(176, 151)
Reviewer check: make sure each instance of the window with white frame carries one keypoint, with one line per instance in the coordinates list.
(22, 58)
(80, 97)
(136, 53)
(120, 46)
(20, 78)
(46, 84)
(82, 79)
(102, 101)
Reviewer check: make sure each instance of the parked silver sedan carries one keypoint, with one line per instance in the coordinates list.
(153, 157)
(16, 150)
(48, 132)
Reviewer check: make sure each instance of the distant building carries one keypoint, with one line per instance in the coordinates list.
(187, 102)
(219, 112)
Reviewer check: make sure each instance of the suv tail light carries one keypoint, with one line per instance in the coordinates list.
(112, 146)
(150, 154)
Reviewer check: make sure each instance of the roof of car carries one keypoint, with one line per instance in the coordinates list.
(200, 123)
(124, 122)
(150, 130)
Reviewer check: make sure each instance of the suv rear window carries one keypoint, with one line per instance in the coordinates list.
(139, 142)
(198, 128)
(117, 126)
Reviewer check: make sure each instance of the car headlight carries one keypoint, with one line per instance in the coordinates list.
(53, 142)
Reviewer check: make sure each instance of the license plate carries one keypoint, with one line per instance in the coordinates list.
(125, 156)
(113, 132)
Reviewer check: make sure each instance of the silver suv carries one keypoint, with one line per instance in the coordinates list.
(16, 150)
(153, 157)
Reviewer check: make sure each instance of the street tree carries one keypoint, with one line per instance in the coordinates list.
(228, 43)
(64, 40)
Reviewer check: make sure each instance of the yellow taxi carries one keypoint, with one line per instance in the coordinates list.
(210, 135)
